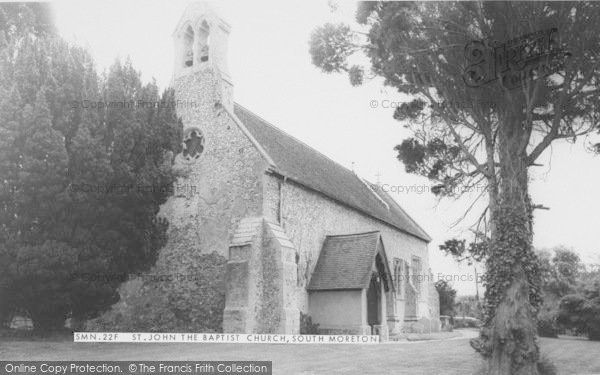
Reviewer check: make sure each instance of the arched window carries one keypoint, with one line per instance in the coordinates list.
(417, 274)
(399, 275)
(188, 47)
(203, 42)
(298, 272)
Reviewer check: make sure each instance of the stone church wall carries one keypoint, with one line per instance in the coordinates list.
(345, 306)
(261, 280)
(309, 216)
(185, 290)
(186, 287)
(227, 178)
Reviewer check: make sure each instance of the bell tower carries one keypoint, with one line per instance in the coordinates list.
(232, 270)
(222, 214)
(200, 40)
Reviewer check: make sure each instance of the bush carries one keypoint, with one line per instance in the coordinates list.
(582, 311)
(307, 327)
(594, 333)
(546, 325)
(64, 334)
(466, 322)
(446, 296)
(42, 283)
(546, 367)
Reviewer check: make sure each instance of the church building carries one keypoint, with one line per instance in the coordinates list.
(301, 236)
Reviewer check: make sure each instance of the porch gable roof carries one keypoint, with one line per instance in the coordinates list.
(346, 262)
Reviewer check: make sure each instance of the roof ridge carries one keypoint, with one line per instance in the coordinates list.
(303, 164)
(296, 139)
(353, 234)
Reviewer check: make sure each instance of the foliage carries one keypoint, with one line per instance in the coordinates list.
(560, 269)
(545, 366)
(329, 47)
(581, 311)
(18, 18)
(560, 272)
(419, 49)
(466, 322)
(307, 327)
(447, 295)
(546, 324)
(468, 306)
(73, 220)
(589, 274)
(460, 250)
(356, 74)
(195, 303)
(433, 159)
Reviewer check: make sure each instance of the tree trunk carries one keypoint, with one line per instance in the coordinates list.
(509, 334)
(514, 346)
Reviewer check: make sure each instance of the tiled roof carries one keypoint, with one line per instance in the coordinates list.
(308, 167)
(249, 227)
(345, 262)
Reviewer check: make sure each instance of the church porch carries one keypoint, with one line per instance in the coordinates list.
(351, 286)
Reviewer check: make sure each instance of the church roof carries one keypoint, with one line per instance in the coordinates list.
(304, 165)
(345, 262)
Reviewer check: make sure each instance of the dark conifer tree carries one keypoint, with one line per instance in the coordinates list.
(80, 183)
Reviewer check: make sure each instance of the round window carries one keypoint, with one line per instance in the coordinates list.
(193, 144)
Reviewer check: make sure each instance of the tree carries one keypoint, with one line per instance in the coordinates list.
(590, 273)
(80, 182)
(468, 306)
(560, 273)
(447, 295)
(36, 18)
(582, 311)
(559, 269)
(490, 134)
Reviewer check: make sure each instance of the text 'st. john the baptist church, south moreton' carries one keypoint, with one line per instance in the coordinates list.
(297, 234)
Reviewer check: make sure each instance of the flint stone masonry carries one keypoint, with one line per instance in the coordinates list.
(227, 178)
(261, 277)
(309, 216)
(215, 192)
(248, 225)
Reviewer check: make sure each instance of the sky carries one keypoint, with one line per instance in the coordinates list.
(273, 77)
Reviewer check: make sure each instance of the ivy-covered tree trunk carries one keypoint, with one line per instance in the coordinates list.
(421, 49)
(509, 336)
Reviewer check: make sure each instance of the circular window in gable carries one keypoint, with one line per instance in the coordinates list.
(193, 144)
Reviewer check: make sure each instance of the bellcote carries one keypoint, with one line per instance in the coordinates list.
(200, 40)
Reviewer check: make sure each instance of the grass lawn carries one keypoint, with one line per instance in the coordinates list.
(455, 356)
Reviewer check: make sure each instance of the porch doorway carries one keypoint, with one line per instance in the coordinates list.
(374, 302)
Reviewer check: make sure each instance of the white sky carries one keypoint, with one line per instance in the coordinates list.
(273, 77)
